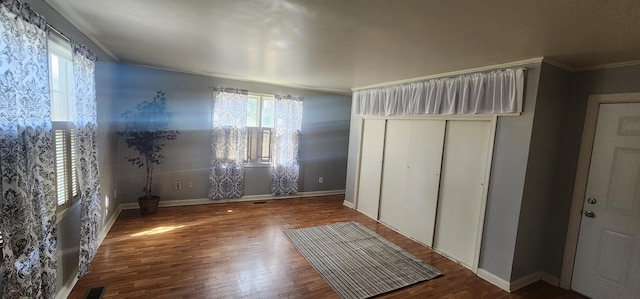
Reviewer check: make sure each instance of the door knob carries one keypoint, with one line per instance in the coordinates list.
(592, 200)
(590, 214)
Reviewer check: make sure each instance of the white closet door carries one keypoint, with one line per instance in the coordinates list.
(410, 176)
(371, 167)
(461, 189)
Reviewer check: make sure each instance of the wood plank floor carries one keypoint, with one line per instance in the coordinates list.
(238, 250)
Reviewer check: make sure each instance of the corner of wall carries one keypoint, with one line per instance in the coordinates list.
(508, 175)
(533, 278)
(512, 286)
(547, 192)
(493, 279)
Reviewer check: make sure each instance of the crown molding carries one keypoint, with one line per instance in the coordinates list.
(454, 73)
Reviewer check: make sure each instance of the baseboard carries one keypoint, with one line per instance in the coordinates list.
(206, 201)
(495, 280)
(66, 289)
(550, 279)
(520, 283)
(534, 277)
(107, 226)
(525, 281)
(348, 204)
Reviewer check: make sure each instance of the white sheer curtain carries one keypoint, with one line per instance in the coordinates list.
(496, 92)
(27, 168)
(229, 117)
(84, 117)
(286, 139)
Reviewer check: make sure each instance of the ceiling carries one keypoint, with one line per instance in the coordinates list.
(336, 45)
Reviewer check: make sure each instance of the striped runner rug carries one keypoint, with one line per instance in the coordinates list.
(356, 262)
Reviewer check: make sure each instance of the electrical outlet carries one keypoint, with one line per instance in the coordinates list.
(320, 180)
(190, 184)
(178, 185)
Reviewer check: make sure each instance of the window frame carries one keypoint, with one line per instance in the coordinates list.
(256, 136)
(62, 125)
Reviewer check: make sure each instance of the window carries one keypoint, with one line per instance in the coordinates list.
(260, 122)
(64, 132)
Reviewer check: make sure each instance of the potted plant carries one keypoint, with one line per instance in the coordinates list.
(145, 130)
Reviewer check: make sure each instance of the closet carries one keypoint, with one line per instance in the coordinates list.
(409, 191)
(426, 178)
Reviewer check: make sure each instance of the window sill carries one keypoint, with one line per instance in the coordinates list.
(257, 165)
(61, 214)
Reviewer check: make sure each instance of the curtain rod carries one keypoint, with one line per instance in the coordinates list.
(58, 32)
(515, 64)
(426, 78)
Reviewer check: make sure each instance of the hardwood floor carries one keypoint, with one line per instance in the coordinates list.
(238, 250)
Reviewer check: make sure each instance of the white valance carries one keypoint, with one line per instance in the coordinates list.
(497, 92)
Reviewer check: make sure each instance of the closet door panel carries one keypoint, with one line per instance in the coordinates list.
(461, 189)
(411, 175)
(393, 199)
(371, 167)
(423, 178)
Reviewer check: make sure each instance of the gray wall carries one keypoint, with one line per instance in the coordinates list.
(61, 24)
(506, 187)
(535, 156)
(549, 181)
(614, 80)
(324, 137)
(68, 226)
(107, 137)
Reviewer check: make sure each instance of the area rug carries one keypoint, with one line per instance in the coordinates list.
(356, 262)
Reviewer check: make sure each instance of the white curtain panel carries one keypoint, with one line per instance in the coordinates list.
(84, 116)
(229, 115)
(27, 168)
(286, 144)
(497, 92)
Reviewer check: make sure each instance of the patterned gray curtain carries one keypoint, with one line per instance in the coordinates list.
(84, 117)
(27, 165)
(286, 138)
(229, 118)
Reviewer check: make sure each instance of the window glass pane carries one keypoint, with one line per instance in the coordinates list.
(252, 111)
(60, 85)
(55, 72)
(268, 108)
(260, 120)
(57, 111)
(65, 75)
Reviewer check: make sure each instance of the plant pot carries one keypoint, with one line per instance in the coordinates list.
(148, 207)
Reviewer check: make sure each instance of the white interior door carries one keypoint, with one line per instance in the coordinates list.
(371, 167)
(411, 175)
(607, 263)
(461, 189)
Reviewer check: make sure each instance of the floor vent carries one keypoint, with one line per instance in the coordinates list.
(259, 202)
(95, 293)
